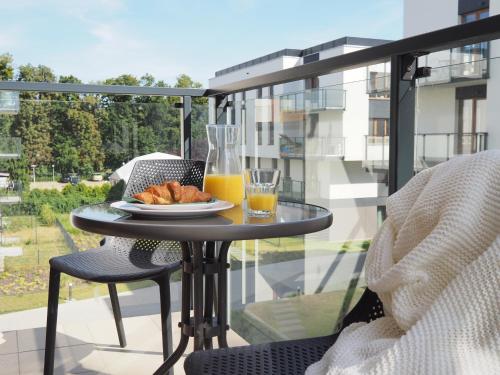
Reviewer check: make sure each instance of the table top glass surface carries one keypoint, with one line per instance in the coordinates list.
(235, 223)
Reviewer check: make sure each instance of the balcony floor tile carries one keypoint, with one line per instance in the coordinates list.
(8, 342)
(9, 364)
(78, 359)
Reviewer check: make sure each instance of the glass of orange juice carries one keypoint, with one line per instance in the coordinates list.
(262, 191)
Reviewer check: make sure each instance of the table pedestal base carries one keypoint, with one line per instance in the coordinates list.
(201, 264)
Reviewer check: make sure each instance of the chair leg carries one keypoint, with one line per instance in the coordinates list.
(115, 304)
(166, 319)
(51, 327)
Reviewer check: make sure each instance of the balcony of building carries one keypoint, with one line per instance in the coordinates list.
(313, 100)
(315, 147)
(468, 63)
(279, 289)
(430, 148)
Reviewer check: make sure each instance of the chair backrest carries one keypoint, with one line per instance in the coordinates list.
(154, 172)
(145, 174)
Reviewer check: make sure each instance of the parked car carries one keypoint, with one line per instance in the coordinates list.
(72, 179)
(96, 177)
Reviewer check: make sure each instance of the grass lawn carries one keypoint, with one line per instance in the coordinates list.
(290, 248)
(24, 283)
(317, 314)
(83, 240)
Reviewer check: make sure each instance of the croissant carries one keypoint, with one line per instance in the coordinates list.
(172, 192)
(160, 200)
(145, 197)
(191, 194)
(161, 191)
(174, 188)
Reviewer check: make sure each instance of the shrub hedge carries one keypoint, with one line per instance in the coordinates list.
(71, 197)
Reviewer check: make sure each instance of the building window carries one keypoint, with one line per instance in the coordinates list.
(275, 163)
(379, 127)
(471, 102)
(475, 15)
(270, 140)
(259, 133)
(287, 168)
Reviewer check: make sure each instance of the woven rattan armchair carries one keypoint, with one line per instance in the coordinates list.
(278, 358)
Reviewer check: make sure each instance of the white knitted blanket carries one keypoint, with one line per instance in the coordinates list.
(435, 264)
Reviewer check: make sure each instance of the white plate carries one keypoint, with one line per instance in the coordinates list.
(170, 213)
(176, 206)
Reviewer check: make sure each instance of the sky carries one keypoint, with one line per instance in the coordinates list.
(99, 39)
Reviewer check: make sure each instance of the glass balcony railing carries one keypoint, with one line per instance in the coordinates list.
(430, 148)
(469, 62)
(458, 64)
(56, 155)
(378, 83)
(292, 190)
(74, 150)
(9, 102)
(10, 147)
(313, 100)
(293, 147)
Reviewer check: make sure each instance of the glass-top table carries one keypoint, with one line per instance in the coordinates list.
(205, 243)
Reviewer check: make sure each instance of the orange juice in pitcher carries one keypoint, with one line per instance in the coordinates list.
(223, 177)
(225, 187)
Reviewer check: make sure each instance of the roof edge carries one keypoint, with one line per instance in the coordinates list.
(347, 40)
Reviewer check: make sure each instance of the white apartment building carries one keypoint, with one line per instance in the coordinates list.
(330, 135)
(458, 106)
(319, 132)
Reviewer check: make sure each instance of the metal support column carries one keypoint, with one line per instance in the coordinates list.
(186, 126)
(402, 129)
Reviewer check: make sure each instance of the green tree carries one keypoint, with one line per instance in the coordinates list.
(185, 81)
(6, 73)
(78, 143)
(66, 157)
(18, 172)
(147, 141)
(6, 68)
(40, 73)
(33, 125)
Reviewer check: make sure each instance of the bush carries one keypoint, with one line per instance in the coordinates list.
(47, 216)
(71, 197)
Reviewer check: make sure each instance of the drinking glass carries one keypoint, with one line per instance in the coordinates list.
(262, 191)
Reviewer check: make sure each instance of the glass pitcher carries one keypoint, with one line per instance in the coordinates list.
(223, 177)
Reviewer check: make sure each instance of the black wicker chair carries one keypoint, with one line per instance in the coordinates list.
(121, 260)
(278, 358)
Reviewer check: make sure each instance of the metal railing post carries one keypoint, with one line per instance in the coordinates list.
(447, 146)
(383, 151)
(186, 127)
(366, 147)
(423, 146)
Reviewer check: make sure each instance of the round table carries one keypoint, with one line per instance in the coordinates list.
(205, 243)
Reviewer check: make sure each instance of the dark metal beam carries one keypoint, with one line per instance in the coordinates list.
(99, 89)
(221, 104)
(451, 37)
